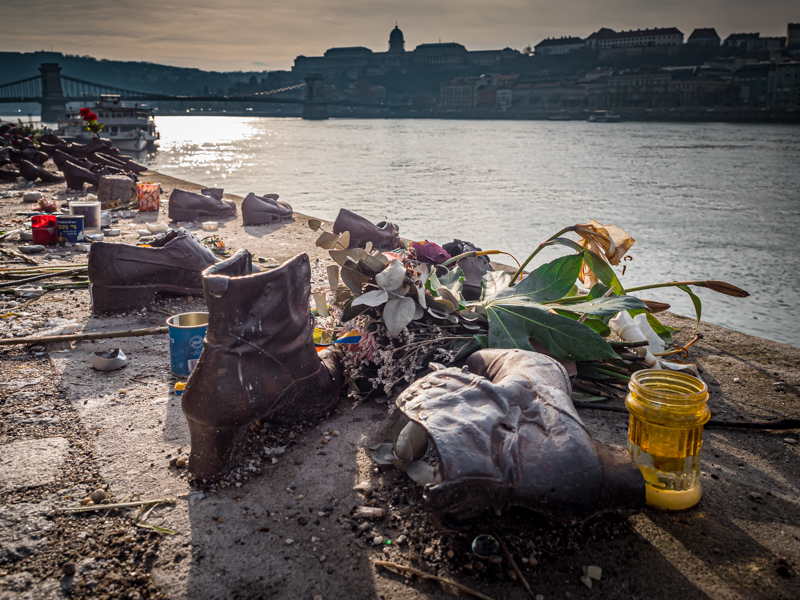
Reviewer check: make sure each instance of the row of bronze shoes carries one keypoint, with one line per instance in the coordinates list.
(210, 204)
(503, 428)
(79, 163)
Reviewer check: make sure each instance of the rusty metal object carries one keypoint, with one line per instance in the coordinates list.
(258, 361)
(507, 434)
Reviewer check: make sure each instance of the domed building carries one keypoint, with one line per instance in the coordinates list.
(396, 41)
(354, 63)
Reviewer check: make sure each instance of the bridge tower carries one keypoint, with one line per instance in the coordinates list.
(314, 107)
(54, 106)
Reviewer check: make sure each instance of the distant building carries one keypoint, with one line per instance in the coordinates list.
(793, 35)
(740, 40)
(750, 83)
(698, 86)
(706, 36)
(562, 45)
(357, 62)
(460, 94)
(631, 89)
(608, 38)
(783, 86)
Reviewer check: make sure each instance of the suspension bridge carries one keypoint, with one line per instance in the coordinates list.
(53, 91)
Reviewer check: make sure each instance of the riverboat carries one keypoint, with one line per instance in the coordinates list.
(131, 128)
(603, 116)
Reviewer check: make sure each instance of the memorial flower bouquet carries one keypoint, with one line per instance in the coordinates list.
(90, 121)
(411, 306)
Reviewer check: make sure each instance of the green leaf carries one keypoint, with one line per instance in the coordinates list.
(698, 306)
(513, 321)
(548, 282)
(482, 339)
(598, 291)
(398, 313)
(442, 277)
(493, 282)
(593, 323)
(603, 271)
(607, 307)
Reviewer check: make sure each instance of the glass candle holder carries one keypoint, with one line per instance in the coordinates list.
(665, 434)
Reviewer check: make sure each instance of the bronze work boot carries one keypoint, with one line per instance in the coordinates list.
(76, 175)
(258, 361)
(191, 206)
(124, 277)
(383, 235)
(263, 210)
(506, 433)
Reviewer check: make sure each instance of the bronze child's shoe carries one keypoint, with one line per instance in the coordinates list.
(258, 361)
(125, 277)
(262, 210)
(191, 206)
(383, 236)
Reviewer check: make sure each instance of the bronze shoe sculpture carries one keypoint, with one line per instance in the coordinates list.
(383, 236)
(32, 172)
(262, 210)
(506, 433)
(76, 175)
(474, 268)
(124, 277)
(258, 361)
(191, 206)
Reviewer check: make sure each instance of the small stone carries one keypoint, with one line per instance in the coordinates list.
(450, 554)
(377, 540)
(538, 597)
(586, 581)
(779, 386)
(68, 568)
(428, 551)
(323, 558)
(401, 539)
(288, 541)
(364, 526)
(87, 501)
(98, 496)
(335, 433)
(368, 512)
(317, 597)
(790, 441)
(736, 380)
(496, 559)
(593, 572)
(567, 596)
(361, 487)
(181, 462)
(274, 461)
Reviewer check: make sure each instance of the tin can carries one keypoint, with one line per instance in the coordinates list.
(186, 334)
(70, 229)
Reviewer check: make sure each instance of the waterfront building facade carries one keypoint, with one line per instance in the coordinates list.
(750, 83)
(562, 45)
(706, 36)
(783, 85)
(606, 38)
(793, 35)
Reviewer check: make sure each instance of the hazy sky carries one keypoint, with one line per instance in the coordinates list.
(261, 35)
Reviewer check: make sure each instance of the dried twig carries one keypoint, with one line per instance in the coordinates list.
(391, 565)
(45, 276)
(97, 335)
(13, 254)
(516, 568)
(96, 507)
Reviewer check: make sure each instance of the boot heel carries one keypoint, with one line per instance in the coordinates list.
(182, 214)
(213, 449)
(108, 298)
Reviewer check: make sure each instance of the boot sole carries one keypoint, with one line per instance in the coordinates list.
(188, 214)
(213, 449)
(111, 298)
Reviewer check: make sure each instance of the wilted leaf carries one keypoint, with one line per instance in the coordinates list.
(445, 305)
(344, 241)
(327, 240)
(421, 472)
(372, 263)
(342, 256)
(442, 277)
(392, 277)
(493, 282)
(412, 442)
(446, 294)
(333, 277)
(322, 304)
(372, 298)
(398, 313)
(314, 224)
(354, 279)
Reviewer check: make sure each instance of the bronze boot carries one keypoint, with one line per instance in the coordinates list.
(258, 361)
(262, 210)
(506, 433)
(383, 235)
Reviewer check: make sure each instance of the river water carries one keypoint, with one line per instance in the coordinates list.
(704, 201)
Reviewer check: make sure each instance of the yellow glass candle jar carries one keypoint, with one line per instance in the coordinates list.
(665, 434)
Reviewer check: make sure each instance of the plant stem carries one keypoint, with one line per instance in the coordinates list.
(458, 257)
(668, 284)
(535, 252)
